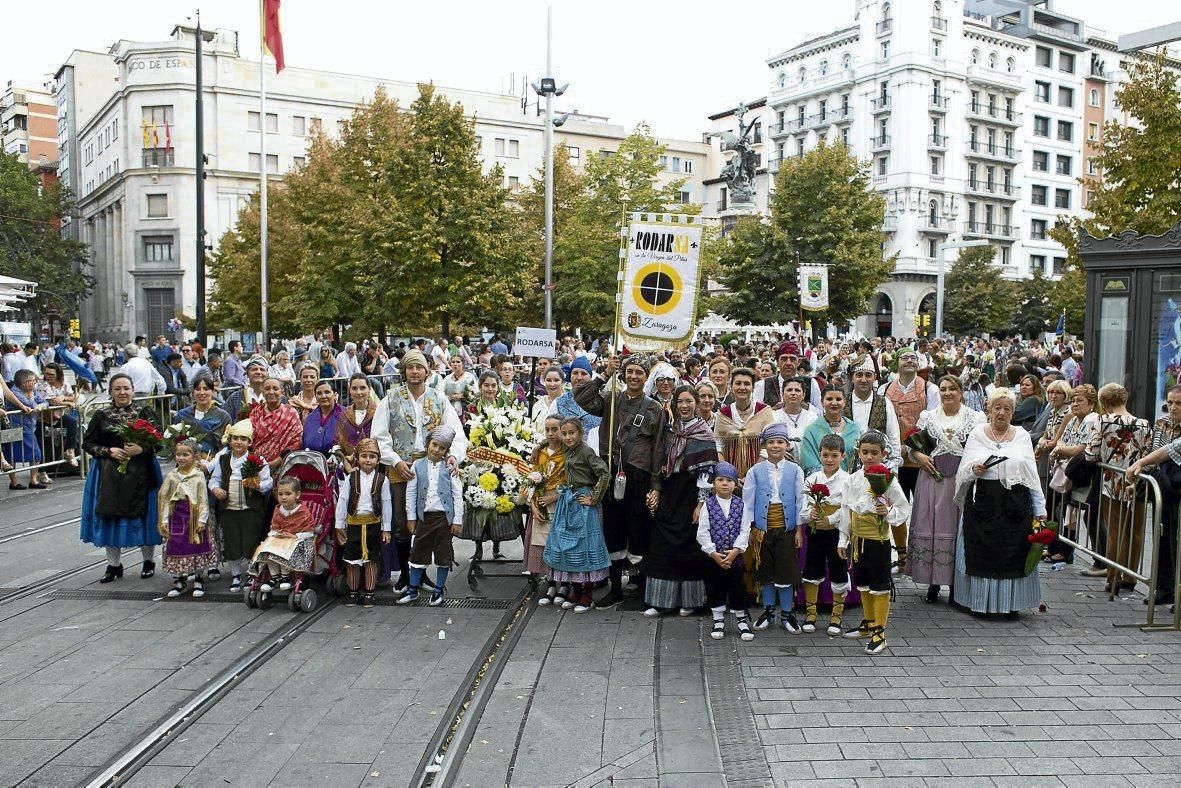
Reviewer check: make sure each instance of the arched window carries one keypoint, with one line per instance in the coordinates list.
(992, 60)
(823, 68)
(933, 213)
(1010, 65)
(847, 61)
(975, 57)
(803, 74)
(885, 10)
(782, 79)
(1094, 98)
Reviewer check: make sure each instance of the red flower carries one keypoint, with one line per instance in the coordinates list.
(1042, 536)
(878, 469)
(820, 490)
(256, 459)
(910, 432)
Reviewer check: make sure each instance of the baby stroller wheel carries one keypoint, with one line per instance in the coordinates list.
(307, 600)
(264, 600)
(340, 585)
(293, 602)
(250, 596)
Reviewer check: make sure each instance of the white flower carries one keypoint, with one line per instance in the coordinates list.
(509, 470)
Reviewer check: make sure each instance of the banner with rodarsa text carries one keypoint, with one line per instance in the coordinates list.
(658, 289)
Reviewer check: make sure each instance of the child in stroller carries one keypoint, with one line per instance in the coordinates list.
(290, 544)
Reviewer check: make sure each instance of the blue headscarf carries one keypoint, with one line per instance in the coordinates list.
(579, 363)
(567, 408)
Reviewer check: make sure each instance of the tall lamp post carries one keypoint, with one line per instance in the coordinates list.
(939, 277)
(548, 87)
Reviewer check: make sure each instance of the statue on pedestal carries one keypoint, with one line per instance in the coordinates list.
(739, 172)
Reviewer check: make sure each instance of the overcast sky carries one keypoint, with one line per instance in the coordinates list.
(667, 63)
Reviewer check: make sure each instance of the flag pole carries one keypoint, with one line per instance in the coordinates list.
(262, 174)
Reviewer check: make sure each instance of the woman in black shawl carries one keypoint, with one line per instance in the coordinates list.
(674, 565)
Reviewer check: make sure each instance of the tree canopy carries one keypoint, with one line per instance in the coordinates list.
(976, 297)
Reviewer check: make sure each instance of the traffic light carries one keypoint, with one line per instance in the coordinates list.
(927, 321)
(75, 329)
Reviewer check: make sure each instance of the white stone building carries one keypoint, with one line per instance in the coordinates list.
(977, 116)
(136, 185)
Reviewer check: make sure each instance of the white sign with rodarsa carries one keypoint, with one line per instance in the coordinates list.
(535, 342)
(658, 294)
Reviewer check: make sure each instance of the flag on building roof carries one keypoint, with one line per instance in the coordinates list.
(272, 38)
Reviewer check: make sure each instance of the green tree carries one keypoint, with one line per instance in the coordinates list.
(977, 298)
(1138, 188)
(33, 248)
(569, 189)
(1035, 311)
(586, 254)
(824, 208)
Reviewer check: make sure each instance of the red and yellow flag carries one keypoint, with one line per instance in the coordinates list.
(272, 35)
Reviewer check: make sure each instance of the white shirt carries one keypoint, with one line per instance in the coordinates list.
(434, 501)
(390, 366)
(13, 363)
(347, 366)
(144, 377)
(705, 539)
(861, 408)
(213, 468)
(774, 474)
(364, 501)
(860, 498)
(813, 394)
(836, 491)
(381, 430)
(795, 427)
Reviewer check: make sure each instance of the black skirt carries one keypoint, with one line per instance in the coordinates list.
(997, 524)
(673, 552)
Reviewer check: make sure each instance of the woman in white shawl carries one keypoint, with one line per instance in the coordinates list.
(661, 382)
(1000, 499)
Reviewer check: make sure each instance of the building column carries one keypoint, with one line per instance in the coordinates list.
(120, 265)
(112, 274)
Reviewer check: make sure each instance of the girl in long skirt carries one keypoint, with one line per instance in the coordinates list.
(575, 549)
(184, 523)
(549, 466)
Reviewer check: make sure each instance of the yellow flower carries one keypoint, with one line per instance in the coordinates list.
(489, 481)
(504, 504)
(476, 435)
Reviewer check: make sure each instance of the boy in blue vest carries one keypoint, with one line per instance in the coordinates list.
(775, 502)
(434, 511)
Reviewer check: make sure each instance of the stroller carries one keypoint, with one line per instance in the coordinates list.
(318, 494)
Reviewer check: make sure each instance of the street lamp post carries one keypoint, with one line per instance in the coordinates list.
(939, 277)
(548, 87)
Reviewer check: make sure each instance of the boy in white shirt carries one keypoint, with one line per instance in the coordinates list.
(822, 549)
(364, 521)
(724, 537)
(434, 512)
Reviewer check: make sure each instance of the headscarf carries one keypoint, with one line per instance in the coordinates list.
(243, 429)
(367, 445)
(776, 430)
(662, 371)
(580, 363)
(724, 470)
(691, 447)
(257, 361)
(414, 357)
(443, 435)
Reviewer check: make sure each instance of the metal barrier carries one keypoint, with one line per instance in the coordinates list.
(1116, 529)
(51, 428)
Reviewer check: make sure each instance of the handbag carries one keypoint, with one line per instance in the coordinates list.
(1168, 476)
(1080, 470)
(1059, 482)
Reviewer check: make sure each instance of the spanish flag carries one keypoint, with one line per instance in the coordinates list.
(272, 36)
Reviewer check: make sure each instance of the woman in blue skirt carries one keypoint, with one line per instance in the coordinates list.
(575, 548)
(119, 507)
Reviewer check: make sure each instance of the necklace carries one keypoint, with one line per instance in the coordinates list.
(992, 436)
(795, 420)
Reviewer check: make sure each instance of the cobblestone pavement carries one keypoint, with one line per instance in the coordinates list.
(609, 698)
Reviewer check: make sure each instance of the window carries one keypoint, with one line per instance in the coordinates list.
(823, 68)
(498, 146)
(936, 89)
(779, 119)
(298, 125)
(1092, 168)
(341, 126)
(687, 167)
(514, 182)
(1041, 92)
(272, 123)
(845, 136)
(663, 160)
(802, 75)
(845, 104)
(316, 124)
(253, 121)
(1041, 126)
(936, 47)
(272, 163)
(574, 152)
(800, 147)
(1065, 131)
(974, 58)
(992, 60)
(972, 180)
(1064, 165)
(933, 248)
(298, 161)
(1062, 198)
(686, 197)
(676, 164)
(782, 80)
(1037, 230)
(936, 165)
(885, 50)
(1065, 97)
(157, 205)
(847, 61)
(800, 115)
(1059, 266)
(1041, 161)
(1010, 65)
(1005, 251)
(158, 249)
(1009, 109)
(1093, 132)
(1037, 262)
(882, 162)
(933, 214)
(823, 109)
(1093, 98)
(1044, 57)
(115, 129)
(1037, 195)
(1066, 62)
(157, 126)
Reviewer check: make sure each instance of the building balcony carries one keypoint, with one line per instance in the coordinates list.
(998, 115)
(1001, 232)
(999, 191)
(937, 102)
(795, 91)
(879, 143)
(884, 27)
(880, 104)
(939, 24)
(937, 142)
(890, 224)
(982, 150)
(981, 74)
(934, 225)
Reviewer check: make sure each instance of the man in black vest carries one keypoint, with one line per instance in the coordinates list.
(769, 391)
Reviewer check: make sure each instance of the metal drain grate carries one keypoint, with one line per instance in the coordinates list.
(743, 758)
(451, 603)
(142, 596)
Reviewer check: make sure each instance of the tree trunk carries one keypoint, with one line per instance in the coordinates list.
(445, 324)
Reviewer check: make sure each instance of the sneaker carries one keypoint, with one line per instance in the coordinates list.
(266, 588)
(177, 589)
(548, 597)
(410, 596)
(436, 598)
(611, 599)
(765, 620)
(809, 624)
(877, 642)
(862, 630)
(1094, 571)
(652, 612)
(788, 620)
(352, 599)
(198, 589)
(284, 583)
(583, 605)
(834, 626)
(214, 574)
(235, 585)
(367, 600)
(744, 629)
(567, 604)
(719, 629)
(685, 612)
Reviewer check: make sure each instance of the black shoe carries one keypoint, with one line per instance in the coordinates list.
(611, 599)
(148, 570)
(367, 600)
(478, 555)
(1162, 598)
(765, 620)
(213, 574)
(933, 594)
(1013, 615)
(352, 599)
(496, 554)
(112, 573)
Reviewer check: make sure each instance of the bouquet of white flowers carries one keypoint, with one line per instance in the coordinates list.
(500, 438)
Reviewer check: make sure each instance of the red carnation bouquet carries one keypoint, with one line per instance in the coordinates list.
(1039, 539)
(251, 468)
(819, 494)
(139, 432)
(879, 477)
(918, 440)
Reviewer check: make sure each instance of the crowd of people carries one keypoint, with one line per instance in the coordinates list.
(719, 476)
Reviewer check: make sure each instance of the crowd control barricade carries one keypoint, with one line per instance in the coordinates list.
(54, 435)
(1113, 521)
(161, 405)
